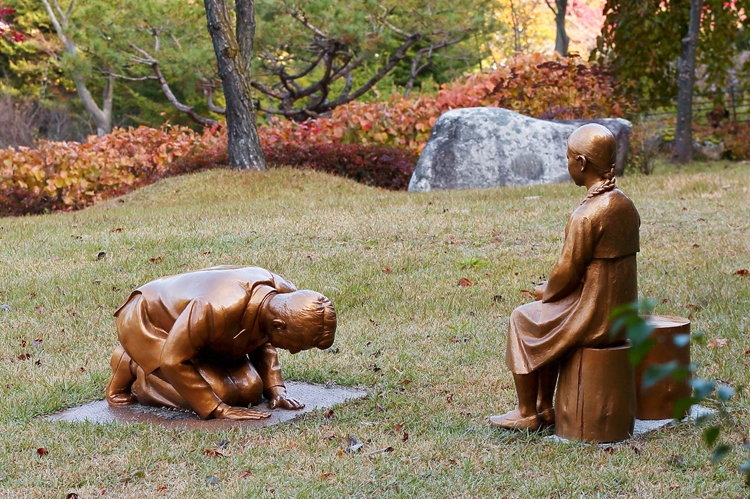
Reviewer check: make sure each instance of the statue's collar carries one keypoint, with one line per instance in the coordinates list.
(250, 328)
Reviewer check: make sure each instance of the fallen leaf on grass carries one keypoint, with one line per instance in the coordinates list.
(83, 369)
(39, 309)
(696, 246)
(526, 293)
(387, 270)
(71, 495)
(456, 339)
(676, 460)
(326, 475)
(245, 474)
(156, 260)
(381, 451)
(161, 488)
(96, 282)
(405, 437)
(41, 451)
(398, 427)
(743, 272)
(497, 298)
(464, 282)
(205, 253)
(379, 407)
(213, 453)
(717, 343)
(353, 444)
(101, 255)
(117, 229)
(329, 414)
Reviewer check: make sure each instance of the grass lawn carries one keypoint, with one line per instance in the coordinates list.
(390, 262)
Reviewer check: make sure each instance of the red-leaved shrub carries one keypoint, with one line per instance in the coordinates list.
(533, 85)
(386, 167)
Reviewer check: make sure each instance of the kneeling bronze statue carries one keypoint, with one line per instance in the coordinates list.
(206, 341)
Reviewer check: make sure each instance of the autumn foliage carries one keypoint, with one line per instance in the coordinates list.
(378, 166)
(72, 175)
(376, 143)
(535, 85)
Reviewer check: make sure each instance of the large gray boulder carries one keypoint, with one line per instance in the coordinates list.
(487, 147)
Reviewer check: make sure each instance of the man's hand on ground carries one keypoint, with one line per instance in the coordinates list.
(281, 401)
(225, 411)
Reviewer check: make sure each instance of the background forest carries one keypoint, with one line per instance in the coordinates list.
(330, 79)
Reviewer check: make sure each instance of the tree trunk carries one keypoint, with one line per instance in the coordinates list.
(686, 81)
(561, 40)
(103, 116)
(233, 56)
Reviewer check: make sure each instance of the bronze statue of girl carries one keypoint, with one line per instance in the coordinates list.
(595, 273)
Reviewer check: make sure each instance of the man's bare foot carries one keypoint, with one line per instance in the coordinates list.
(513, 420)
(123, 376)
(121, 399)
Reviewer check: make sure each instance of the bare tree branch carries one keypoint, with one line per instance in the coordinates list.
(149, 60)
(69, 11)
(175, 40)
(301, 17)
(416, 68)
(132, 78)
(394, 59)
(550, 7)
(208, 90)
(384, 20)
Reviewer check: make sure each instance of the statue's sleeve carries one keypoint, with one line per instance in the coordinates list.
(577, 252)
(195, 327)
(282, 285)
(266, 362)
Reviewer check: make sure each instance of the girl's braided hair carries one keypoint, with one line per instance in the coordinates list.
(597, 144)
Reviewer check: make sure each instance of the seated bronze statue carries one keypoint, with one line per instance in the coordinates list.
(206, 341)
(595, 273)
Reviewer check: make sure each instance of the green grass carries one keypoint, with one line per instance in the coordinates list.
(338, 237)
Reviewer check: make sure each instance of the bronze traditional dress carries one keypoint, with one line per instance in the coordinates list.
(196, 339)
(595, 273)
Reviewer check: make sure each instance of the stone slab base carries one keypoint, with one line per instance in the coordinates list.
(643, 426)
(313, 396)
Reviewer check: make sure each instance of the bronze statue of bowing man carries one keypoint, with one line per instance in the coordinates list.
(206, 341)
(595, 273)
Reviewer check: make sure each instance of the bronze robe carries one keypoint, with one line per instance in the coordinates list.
(595, 273)
(172, 325)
